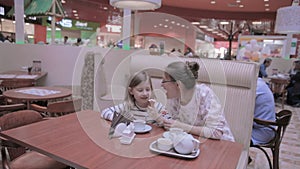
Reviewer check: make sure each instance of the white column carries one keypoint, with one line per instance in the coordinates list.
(287, 50)
(53, 23)
(19, 18)
(126, 29)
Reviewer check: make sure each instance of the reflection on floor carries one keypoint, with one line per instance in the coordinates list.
(290, 146)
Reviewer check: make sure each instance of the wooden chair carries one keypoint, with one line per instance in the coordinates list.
(13, 84)
(59, 108)
(15, 156)
(5, 108)
(282, 121)
(278, 87)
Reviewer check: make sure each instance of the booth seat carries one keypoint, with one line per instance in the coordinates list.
(234, 83)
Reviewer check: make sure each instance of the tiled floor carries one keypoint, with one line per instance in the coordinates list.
(290, 146)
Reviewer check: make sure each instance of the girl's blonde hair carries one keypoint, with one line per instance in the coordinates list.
(135, 80)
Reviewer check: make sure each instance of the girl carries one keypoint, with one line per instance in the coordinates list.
(139, 101)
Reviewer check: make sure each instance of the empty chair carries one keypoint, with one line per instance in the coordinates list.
(59, 108)
(279, 126)
(17, 156)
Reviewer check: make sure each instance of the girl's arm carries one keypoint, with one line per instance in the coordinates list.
(108, 113)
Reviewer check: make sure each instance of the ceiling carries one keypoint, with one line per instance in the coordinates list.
(191, 10)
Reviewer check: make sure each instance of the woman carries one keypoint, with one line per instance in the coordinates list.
(193, 107)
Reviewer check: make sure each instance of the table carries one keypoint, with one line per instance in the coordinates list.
(28, 94)
(278, 86)
(21, 75)
(81, 141)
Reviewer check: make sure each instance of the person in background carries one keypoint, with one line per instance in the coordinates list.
(139, 101)
(293, 91)
(79, 42)
(2, 38)
(193, 107)
(66, 40)
(189, 52)
(262, 68)
(264, 110)
(296, 68)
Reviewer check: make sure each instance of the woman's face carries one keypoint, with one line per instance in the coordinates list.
(141, 93)
(171, 87)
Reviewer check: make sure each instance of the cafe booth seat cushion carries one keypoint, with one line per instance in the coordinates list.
(34, 160)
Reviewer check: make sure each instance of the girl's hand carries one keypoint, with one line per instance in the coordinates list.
(168, 123)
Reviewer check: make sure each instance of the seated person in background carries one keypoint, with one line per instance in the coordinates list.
(139, 92)
(262, 68)
(265, 110)
(293, 91)
(295, 69)
(194, 107)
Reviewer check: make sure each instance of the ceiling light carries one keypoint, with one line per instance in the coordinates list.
(266, 0)
(224, 23)
(63, 1)
(241, 6)
(287, 19)
(203, 26)
(267, 9)
(267, 5)
(136, 4)
(256, 23)
(74, 11)
(212, 2)
(196, 23)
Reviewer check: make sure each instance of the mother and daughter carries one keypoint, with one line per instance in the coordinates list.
(193, 107)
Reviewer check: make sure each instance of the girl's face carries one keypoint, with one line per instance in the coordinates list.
(171, 87)
(141, 93)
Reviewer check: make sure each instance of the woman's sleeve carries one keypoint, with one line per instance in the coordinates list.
(214, 119)
(108, 113)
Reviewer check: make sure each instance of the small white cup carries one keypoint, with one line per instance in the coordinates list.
(164, 144)
(139, 124)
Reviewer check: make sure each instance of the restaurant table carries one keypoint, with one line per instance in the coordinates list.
(22, 75)
(81, 140)
(278, 86)
(35, 93)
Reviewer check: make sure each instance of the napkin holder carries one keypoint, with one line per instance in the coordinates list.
(123, 117)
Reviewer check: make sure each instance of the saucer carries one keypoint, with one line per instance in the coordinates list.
(166, 134)
(145, 130)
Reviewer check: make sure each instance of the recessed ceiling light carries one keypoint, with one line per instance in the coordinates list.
(256, 22)
(165, 26)
(212, 2)
(74, 11)
(196, 23)
(203, 26)
(75, 14)
(167, 20)
(105, 8)
(238, 1)
(63, 1)
(266, 0)
(241, 6)
(172, 22)
(267, 5)
(267, 9)
(224, 23)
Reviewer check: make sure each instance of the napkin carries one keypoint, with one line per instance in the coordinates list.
(123, 117)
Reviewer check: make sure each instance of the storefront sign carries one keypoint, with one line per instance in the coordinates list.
(113, 28)
(76, 24)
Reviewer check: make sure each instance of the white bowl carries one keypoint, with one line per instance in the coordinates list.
(164, 144)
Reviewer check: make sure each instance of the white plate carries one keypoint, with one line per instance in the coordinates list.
(146, 129)
(153, 147)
